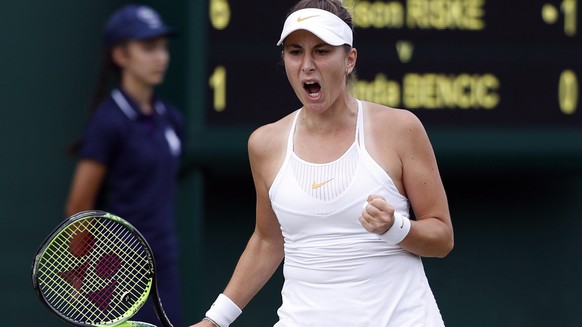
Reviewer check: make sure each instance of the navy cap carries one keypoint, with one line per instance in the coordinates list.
(134, 22)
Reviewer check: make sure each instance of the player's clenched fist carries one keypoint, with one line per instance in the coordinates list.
(378, 215)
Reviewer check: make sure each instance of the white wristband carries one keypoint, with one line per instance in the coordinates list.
(398, 231)
(223, 311)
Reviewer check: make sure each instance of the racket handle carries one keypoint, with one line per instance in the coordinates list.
(135, 324)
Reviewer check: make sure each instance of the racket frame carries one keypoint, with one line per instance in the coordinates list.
(153, 291)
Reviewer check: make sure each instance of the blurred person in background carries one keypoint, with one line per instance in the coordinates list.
(129, 154)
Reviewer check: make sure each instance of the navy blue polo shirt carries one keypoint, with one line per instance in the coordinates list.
(141, 153)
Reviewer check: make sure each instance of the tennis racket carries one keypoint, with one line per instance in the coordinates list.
(95, 269)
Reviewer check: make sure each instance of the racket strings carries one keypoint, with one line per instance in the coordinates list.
(65, 299)
(134, 253)
(103, 296)
(99, 278)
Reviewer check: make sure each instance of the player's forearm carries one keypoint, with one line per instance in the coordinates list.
(255, 267)
(429, 237)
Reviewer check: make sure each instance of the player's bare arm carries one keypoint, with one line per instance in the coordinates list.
(431, 234)
(87, 180)
(399, 143)
(264, 251)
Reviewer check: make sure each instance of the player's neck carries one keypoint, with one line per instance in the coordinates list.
(140, 93)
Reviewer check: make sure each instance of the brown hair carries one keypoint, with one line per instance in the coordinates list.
(109, 73)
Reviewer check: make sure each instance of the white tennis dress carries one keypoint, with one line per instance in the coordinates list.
(337, 273)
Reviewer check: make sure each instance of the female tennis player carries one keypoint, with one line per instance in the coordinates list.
(336, 181)
(130, 151)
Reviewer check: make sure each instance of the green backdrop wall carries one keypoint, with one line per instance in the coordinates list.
(516, 212)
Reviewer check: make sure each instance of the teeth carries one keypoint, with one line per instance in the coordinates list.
(310, 83)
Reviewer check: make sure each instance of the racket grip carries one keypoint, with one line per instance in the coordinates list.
(135, 324)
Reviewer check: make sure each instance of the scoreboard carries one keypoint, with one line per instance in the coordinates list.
(463, 66)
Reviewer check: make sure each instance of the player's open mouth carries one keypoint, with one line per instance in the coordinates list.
(312, 88)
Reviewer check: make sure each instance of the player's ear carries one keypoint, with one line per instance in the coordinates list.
(352, 57)
(119, 55)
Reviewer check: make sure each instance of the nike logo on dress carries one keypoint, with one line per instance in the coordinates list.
(318, 185)
(300, 19)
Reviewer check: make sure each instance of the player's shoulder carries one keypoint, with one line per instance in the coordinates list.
(396, 118)
(271, 136)
(173, 114)
(104, 125)
(171, 109)
(106, 113)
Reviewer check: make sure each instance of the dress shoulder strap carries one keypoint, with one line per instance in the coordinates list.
(360, 126)
(291, 135)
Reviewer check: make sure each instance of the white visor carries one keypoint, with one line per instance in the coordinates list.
(328, 27)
